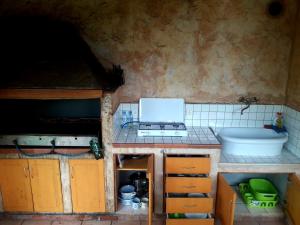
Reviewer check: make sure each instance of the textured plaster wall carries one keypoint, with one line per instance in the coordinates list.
(293, 88)
(204, 51)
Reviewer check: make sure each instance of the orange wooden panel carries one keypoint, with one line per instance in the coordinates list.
(188, 185)
(225, 204)
(15, 185)
(49, 93)
(188, 165)
(293, 199)
(189, 205)
(46, 185)
(87, 185)
(190, 221)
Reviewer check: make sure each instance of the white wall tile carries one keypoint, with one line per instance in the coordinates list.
(213, 107)
(205, 108)
(229, 108)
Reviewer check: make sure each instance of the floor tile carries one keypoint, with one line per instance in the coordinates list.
(37, 222)
(71, 222)
(246, 222)
(153, 222)
(96, 222)
(126, 222)
(11, 222)
(273, 222)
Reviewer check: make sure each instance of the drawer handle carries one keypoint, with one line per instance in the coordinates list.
(190, 206)
(189, 168)
(188, 187)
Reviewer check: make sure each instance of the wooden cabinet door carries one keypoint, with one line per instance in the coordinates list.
(150, 174)
(225, 205)
(46, 185)
(293, 199)
(15, 185)
(87, 185)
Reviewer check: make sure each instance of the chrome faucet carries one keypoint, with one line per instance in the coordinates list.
(247, 101)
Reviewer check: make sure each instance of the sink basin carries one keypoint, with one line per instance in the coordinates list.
(252, 141)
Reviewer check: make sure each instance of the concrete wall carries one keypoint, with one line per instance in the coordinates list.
(204, 51)
(293, 88)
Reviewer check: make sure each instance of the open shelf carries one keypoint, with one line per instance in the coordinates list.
(128, 210)
(131, 164)
(134, 165)
(243, 212)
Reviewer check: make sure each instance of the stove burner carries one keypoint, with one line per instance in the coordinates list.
(162, 129)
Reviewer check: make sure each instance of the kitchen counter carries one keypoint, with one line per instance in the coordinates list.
(198, 137)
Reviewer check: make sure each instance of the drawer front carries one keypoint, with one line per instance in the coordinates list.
(190, 221)
(189, 205)
(187, 165)
(188, 185)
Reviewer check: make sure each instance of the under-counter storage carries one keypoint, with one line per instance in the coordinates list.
(87, 185)
(31, 185)
(231, 207)
(134, 178)
(177, 184)
(187, 165)
(187, 188)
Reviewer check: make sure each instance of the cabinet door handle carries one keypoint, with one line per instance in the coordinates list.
(188, 187)
(190, 206)
(189, 168)
(25, 172)
(71, 173)
(31, 172)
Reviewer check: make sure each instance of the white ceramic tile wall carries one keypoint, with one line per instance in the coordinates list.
(292, 123)
(229, 115)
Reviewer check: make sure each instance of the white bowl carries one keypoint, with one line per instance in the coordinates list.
(127, 192)
(127, 189)
(125, 201)
(196, 215)
(196, 195)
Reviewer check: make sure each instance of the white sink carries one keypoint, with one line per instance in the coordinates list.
(252, 141)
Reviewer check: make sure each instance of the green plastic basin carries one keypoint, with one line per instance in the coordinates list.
(263, 190)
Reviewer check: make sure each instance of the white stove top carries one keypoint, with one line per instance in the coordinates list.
(162, 129)
(161, 117)
(162, 126)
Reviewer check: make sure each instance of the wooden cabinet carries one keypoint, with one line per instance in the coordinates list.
(145, 164)
(293, 199)
(46, 185)
(225, 205)
(15, 185)
(87, 185)
(227, 197)
(186, 175)
(30, 185)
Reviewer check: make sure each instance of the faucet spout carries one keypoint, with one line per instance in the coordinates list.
(248, 101)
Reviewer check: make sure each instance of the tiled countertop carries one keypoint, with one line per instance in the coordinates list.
(286, 157)
(198, 137)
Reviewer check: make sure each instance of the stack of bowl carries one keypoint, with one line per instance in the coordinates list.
(126, 194)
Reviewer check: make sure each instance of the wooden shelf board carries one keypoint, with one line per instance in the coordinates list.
(128, 210)
(46, 94)
(135, 164)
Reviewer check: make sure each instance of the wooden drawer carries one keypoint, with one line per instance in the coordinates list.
(189, 205)
(187, 165)
(209, 221)
(188, 185)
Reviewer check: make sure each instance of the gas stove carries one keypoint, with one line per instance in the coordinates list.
(161, 117)
(162, 129)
